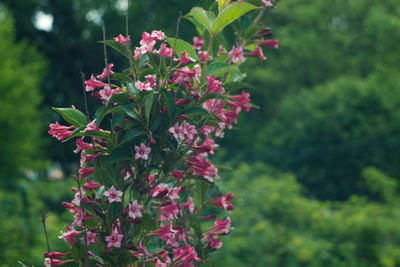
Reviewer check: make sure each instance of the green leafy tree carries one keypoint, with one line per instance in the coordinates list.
(22, 70)
(276, 225)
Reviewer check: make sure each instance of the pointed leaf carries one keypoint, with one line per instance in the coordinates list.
(231, 13)
(181, 45)
(201, 16)
(131, 134)
(72, 116)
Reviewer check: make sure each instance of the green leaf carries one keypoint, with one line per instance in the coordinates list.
(231, 13)
(117, 46)
(148, 105)
(232, 86)
(128, 110)
(131, 134)
(222, 4)
(77, 133)
(120, 77)
(181, 46)
(169, 100)
(132, 88)
(119, 98)
(251, 30)
(72, 116)
(194, 111)
(120, 154)
(213, 67)
(201, 16)
(156, 122)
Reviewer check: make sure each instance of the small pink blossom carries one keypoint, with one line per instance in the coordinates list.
(177, 131)
(143, 86)
(121, 39)
(107, 71)
(85, 172)
(273, 43)
(113, 194)
(224, 201)
(55, 255)
(165, 51)
(142, 152)
(90, 237)
(134, 210)
(240, 101)
(203, 55)
(107, 92)
(114, 240)
(81, 145)
(185, 59)
(178, 175)
(52, 262)
(237, 54)
(91, 185)
(198, 42)
(158, 35)
(185, 256)
(267, 3)
(70, 234)
(258, 52)
(91, 126)
(59, 131)
(92, 84)
(189, 205)
(168, 212)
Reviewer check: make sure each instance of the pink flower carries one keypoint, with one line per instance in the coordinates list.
(143, 86)
(81, 145)
(214, 86)
(113, 195)
(92, 126)
(168, 212)
(121, 39)
(60, 132)
(273, 43)
(198, 42)
(267, 3)
(177, 131)
(203, 55)
(91, 185)
(106, 93)
(114, 240)
(70, 234)
(206, 147)
(202, 167)
(165, 51)
(85, 172)
(189, 205)
(55, 255)
(224, 201)
(237, 54)
(134, 210)
(178, 175)
(189, 130)
(108, 69)
(91, 238)
(147, 43)
(185, 59)
(142, 151)
(158, 35)
(258, 52)
(240, 101)
(52, 262)
(165, 262)
(185, 257)
(93, 84)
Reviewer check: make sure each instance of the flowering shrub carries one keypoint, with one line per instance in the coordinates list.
(146, 192)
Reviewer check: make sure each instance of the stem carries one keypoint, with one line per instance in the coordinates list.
(203, 70)
(44, 217)
(128, 42)
(105, 54)
(84, 95)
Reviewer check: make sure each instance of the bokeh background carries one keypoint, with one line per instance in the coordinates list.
(315, 170)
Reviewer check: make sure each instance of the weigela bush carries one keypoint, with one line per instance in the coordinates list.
(146, 192)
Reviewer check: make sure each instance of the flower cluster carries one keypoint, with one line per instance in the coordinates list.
(146, 187)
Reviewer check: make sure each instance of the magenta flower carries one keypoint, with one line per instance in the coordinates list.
(91, 238)
(91, 185)
(85, 172)
(134, 210)
(121, 39)
(177, 131)
(158, 35)
(107, 92)
(224, 201)
(92, 84)
(185, 59)
(70, 234)
(168, 212)
(59, 131)
(185, 256)
(237, 54)
(81, 145)
(113, 194)
(273, 43)
(114, 240)
(143, 86)
(241, 101)
(91, 126)
(189, 205)
(258, 52)
(142, 151)
(198, 42)
(108, 69)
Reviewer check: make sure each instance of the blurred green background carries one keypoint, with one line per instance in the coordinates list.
(315, 170)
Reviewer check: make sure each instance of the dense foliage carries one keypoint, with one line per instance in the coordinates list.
(22, 69)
